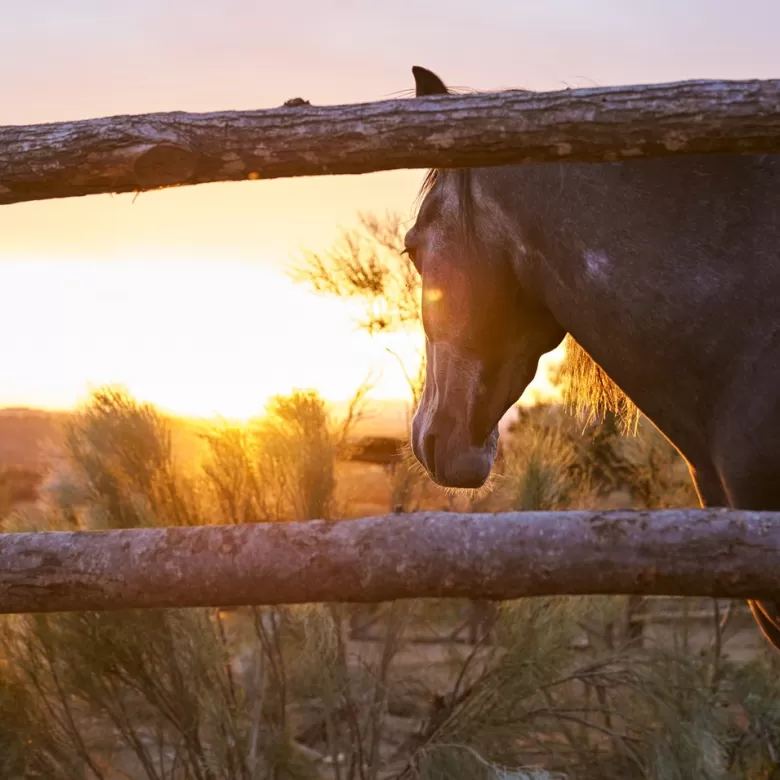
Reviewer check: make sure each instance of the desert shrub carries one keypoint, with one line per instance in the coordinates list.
(540, 703)
(552, 690)
(554, 461)
(297, 435)
(188, 693)
(16, 743)
(151, 684)
(279, 467)
(366, 263)
(540, 462)
(119, 467)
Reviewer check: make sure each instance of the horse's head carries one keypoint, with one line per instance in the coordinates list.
(485, 329)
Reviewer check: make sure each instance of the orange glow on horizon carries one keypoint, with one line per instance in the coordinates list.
(197, 338)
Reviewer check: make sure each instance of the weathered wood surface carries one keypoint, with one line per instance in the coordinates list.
(719, 553)
(134, 153)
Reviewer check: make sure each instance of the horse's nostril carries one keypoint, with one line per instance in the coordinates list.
(429, 451)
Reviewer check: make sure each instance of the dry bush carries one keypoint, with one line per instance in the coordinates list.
(556, 462)
(280, 466)
(191, 693)
(541, 457)
(538, 704)
(119, 469)
(551, 690)
(366, 263)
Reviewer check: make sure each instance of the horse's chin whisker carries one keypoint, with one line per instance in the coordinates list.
(492, 483)
(409, 460)
(475, 494)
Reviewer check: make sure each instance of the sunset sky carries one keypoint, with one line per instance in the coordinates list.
(181, 295)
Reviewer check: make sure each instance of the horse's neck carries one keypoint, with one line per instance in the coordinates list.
(666, 271)
(642, 333)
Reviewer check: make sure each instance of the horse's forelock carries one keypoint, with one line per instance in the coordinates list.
(461, 179)
(428, 183)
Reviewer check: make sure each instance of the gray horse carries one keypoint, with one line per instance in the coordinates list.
(664, 276)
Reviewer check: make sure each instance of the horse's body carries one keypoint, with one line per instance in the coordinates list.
(666, 271)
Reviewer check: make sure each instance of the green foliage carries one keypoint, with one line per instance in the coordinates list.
(540, 704)
(159, 678)
(16, 745)
(184, 693)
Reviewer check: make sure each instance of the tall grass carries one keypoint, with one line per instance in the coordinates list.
(555, 688)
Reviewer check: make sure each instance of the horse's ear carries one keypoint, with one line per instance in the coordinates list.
(428, 83)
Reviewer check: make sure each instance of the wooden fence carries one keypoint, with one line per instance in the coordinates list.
(718, 553)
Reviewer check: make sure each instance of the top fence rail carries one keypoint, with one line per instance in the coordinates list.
(136, 153)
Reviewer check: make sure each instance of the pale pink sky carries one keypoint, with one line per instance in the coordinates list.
(172, 262)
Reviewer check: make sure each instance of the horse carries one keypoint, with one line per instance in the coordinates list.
(661, 276)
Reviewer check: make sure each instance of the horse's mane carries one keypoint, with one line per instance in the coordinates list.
(587, 389)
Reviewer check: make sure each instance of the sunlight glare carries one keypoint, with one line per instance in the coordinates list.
(194, 336)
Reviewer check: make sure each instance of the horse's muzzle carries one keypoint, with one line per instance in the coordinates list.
(450, 459)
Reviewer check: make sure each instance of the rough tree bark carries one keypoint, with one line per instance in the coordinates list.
(718, 553)
(134, 153)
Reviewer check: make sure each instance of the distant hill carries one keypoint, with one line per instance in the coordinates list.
(29, 436)
(382, 418)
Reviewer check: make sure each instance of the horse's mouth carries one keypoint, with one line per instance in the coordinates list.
(452, 463)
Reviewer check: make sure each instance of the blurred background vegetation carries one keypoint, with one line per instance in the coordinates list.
(533, 688)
